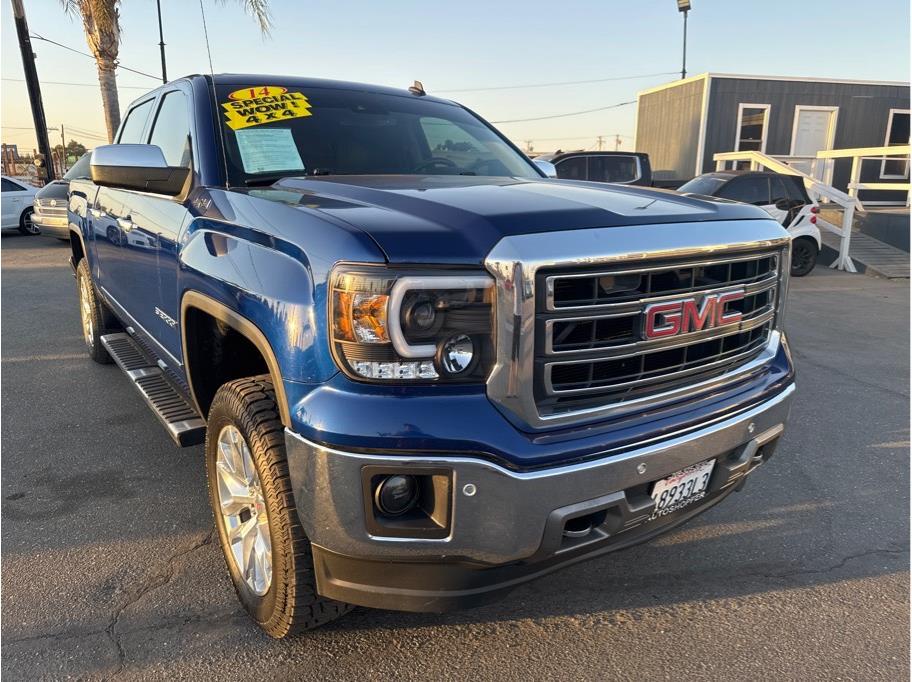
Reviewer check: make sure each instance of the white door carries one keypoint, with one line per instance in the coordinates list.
(813, 131)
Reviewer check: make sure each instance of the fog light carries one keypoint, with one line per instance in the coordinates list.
(395, 495)
(456, 354)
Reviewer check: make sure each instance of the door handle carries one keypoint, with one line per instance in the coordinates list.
(125, 224)
(97, 213)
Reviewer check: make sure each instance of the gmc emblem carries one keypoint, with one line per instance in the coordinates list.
(670, 318)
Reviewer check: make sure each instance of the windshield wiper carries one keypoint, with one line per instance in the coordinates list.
(269, 179)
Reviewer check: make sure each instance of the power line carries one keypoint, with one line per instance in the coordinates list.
(549, 85)
(35, 36)
(76, 131)
(83, 85)
(572, 113)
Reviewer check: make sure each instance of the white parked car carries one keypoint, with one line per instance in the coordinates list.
(782, 196)
(16, 203)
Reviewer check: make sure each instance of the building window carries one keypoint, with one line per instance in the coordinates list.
(753, 121)
(897, 134)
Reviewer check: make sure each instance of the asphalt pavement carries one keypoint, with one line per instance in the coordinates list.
(109, 568)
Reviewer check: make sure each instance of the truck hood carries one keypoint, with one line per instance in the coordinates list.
(458, 219)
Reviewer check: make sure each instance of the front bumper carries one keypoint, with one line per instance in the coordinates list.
(511, 529)
(51, 224)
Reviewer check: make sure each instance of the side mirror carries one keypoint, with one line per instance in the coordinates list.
(546, 167)
(139, 167)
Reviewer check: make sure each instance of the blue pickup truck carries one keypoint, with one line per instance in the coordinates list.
(423, 370)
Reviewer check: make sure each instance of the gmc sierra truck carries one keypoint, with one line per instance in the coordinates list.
(424, 371)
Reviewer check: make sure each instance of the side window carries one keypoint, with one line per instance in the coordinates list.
(132, 128)
(779, 191)
(171, 130)
(10, 186)
(573, 168)
(794, 189)
(752, 189)
(613, 168)
(897, 134)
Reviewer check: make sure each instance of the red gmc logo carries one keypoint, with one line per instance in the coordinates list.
(670, 318)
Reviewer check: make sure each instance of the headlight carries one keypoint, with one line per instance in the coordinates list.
(412, 325)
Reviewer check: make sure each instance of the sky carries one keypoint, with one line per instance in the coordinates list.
(469, 45)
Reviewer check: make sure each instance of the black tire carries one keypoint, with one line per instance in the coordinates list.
(26, 226)
(100, 319)
(804, 256)
(290, 604)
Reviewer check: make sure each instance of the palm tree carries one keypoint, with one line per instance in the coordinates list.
(101, 21)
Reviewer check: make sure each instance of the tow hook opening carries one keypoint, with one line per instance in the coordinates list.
(581, 526)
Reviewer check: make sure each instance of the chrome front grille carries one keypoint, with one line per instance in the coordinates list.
(591, 345)
(571, 313)
(59, 207)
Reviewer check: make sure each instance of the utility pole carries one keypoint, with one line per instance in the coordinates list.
(161, 42)
(598, 143)
(31, 82)
(617, 142)
(63, 154)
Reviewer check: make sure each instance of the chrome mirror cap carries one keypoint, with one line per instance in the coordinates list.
(546, 167)
(139, 167)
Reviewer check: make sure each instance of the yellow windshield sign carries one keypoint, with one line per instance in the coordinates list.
(263, 104)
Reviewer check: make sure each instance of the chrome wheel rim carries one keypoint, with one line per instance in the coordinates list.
(30, 227)
(85, 311)
(243, 510)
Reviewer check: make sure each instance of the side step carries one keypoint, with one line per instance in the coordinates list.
(177, 415)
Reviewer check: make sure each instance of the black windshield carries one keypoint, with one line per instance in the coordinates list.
(703, 184)
(274, 130)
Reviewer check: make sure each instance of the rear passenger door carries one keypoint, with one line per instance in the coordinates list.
(13, 202)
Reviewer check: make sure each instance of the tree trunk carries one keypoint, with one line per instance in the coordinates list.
(109, 100)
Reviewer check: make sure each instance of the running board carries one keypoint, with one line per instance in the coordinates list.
(179, 417)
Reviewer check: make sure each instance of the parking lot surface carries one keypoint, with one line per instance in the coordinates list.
(109, 568)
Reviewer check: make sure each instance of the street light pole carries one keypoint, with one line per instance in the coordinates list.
(684, 56)
(684, 6)
(161, 41)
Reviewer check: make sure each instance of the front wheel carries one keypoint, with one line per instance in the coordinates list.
(95, 318)
(26, 225)
(804, 256)
(267, 553)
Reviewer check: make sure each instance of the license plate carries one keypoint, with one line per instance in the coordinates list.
(681, 488)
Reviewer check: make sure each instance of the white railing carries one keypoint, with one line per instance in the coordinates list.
(817, 188)
(823, 168)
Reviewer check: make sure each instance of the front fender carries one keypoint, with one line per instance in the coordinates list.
(270, 282)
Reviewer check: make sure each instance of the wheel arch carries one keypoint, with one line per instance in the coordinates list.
(77, 246)
(194, 300)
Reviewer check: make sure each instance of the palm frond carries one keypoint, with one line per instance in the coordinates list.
(259, 10)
